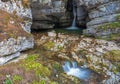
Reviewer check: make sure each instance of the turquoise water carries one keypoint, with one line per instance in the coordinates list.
(69, 31)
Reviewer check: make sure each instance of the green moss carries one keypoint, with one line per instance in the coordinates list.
(112, 37)
(118, 17)
(16, 78)
(11, 35)
(56, 66)
(60, 48)
(97, 70)
(43, 82)
(7, 81)
(49, 45)
(111, 25)
(40, 82)
(113, 55)
(117, 67)
(6, 19)
(51, 82)
(31, 64)
(83, 52)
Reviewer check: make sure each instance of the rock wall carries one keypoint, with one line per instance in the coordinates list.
(15, 23)
(103, 17)
(81, 14)
(49, 13)
(20, 9)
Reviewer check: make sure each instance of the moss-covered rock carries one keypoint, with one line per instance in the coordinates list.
(113, 56)
(111, 25)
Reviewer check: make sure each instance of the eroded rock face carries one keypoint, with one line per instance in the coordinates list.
(48, 13)
(20, 9)
(101, 13)
(15, 23)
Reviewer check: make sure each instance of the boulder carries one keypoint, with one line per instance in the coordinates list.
(20, 9)
(15, 23)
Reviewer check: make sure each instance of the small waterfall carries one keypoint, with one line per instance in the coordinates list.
(74, 14)
(73, 26)
(74, 70)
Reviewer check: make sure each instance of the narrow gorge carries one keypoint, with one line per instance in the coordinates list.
(59, 42)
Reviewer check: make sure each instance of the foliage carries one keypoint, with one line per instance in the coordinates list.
(111, 37)
(57, 66)
(7, 81)
(40, 82)
(43, 82)
(32, 64)
(49, 44)
(118, 17)
(16, 78)
(113, 55)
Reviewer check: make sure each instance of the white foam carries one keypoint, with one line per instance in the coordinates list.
(73, 70)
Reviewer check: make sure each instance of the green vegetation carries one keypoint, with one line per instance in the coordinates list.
(111, 25)
(40, 82)
(49, 45)
(43, 82)
(57, 66)
(112, 37)
(31, 64)
(6, 19)
(7, 81)
(16, 78)
(113, 55)
(118, 17)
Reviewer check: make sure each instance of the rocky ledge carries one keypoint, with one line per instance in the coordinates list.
(103, 57)
(15, 23)
(103, 17)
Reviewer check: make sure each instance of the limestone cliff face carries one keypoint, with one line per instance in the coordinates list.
(103, 16)
(15, 23)
(20, 9)
(49, 13)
